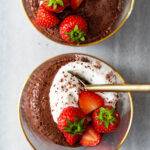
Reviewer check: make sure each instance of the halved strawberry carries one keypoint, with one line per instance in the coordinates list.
(90, 137)
(76, 3)
(89, 101)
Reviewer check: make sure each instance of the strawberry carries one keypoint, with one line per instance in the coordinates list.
(89, 101)
(46, 19)
(72, 139)
(90, 137)
(55, 5)
(105, 119)
(76, 3)
(72, 123)
(73, 29)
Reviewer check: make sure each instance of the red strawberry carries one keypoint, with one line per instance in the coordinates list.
(72, 123)
(76, 3)
(55, 5)
(105, 119)
(90, 137)
(89, 101)
(73, 29)
(72, 139)
(46, 19)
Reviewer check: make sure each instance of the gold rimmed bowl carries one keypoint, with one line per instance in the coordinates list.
(111, 141)
(31, 7)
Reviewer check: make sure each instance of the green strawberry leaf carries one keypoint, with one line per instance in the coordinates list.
(76, 29)
(76, 121)
(60, 2)
(82, 38)
(81, 122)
(54, 3)
(66, 128)
(49, 3)
(111, 123)
(75, 128)
(69, 122)
(76, 35)
(106, 124)
(106, 116)
(101, 123)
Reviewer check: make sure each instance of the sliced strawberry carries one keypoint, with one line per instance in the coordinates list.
(90, 137)
(89, 101)
(76, 3)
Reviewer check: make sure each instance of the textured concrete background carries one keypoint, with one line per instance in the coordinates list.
(22, 49)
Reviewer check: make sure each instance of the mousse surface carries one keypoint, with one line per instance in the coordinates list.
(101, 16)
(35, 104)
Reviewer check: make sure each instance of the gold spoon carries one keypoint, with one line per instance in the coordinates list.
(112, 87)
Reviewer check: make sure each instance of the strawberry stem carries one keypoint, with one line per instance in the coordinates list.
(75, 128)
(54, 3)
(76, 34)
(106, 116)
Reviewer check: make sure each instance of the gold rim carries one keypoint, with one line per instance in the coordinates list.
(130, 97)
(92, 43)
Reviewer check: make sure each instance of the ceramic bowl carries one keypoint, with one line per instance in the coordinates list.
(111, 141)
(30, 7)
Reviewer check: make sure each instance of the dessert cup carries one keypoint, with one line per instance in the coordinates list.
(111, 141)
(31, 6)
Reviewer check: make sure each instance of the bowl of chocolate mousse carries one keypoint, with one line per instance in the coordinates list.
(51, 88)
(103, 17)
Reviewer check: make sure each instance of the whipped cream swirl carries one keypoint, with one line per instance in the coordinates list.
(66, 88)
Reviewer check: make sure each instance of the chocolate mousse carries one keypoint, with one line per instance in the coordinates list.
(35, 108)
(39, 96)
(101, 16)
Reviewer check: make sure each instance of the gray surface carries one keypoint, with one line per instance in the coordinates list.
(22, 48)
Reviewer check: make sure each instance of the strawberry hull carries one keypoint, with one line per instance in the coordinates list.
(58, 8)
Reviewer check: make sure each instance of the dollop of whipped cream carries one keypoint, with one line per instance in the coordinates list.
(66, 88)
(40, 2)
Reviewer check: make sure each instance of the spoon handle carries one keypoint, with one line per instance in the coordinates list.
(119, 88)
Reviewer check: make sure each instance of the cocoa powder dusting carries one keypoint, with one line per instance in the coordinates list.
(101, 16)
(35, 107)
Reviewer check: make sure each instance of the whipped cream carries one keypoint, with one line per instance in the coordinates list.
(41, 2)
(66, 88)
